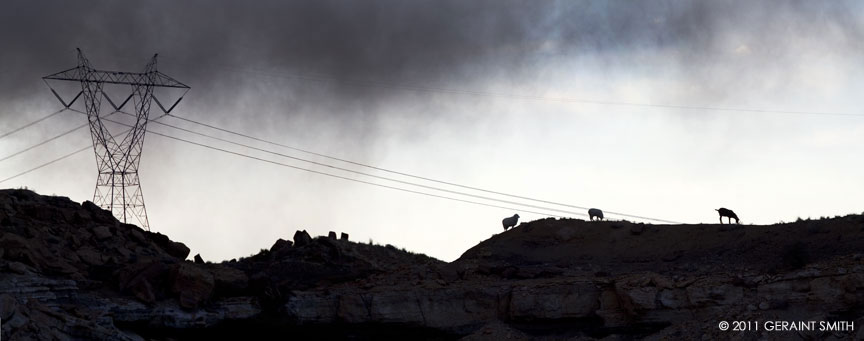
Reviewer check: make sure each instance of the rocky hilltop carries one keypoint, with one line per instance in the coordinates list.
(72, 271)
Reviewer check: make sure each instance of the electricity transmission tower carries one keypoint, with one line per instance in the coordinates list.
(118, 188)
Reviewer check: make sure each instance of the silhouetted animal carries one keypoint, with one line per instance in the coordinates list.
(725, 212)
(594, 212)
(510, 222)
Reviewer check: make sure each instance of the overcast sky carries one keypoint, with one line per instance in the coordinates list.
(511, 96)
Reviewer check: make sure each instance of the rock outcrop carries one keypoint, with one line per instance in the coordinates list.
(70, 271)
(302, 238)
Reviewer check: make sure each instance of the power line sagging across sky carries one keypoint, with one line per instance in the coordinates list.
(523, 205)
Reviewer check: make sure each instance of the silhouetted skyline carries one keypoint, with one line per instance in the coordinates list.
(443, 89)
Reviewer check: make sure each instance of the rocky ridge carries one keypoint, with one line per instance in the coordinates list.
(70, 271)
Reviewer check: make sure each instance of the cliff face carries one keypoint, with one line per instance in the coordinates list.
(71, 271)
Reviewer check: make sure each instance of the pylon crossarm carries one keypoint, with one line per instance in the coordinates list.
(156, 79)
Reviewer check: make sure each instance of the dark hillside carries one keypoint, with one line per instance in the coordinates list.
(621, 247)
(71, 271)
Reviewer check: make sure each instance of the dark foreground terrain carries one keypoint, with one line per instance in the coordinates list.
(71, 271)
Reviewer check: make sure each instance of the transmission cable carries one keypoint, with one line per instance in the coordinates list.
(31, 123)
(349, 179)
(284, 165)
(308, 170)
(291, 166)
(46, 164)
(350, 170)
(397, 172)
(50, 139)
(395, 180)
(63, 157)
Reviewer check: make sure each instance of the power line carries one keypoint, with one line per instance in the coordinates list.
(46, 164)
(310, 170)
(353, 171)
(303, 160)
(410, 183)
(347, 178)
(334, 175)
(284, 165)
(31, 123)
(41, 143)
(401, 173)
(60, 158)
(50, 139)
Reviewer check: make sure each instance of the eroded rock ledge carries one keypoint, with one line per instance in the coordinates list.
(70, 271)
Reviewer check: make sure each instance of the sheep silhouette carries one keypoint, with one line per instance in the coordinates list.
(595, 213)
(510, 221)
(725, 212)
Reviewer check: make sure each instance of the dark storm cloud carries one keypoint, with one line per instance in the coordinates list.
(416, 42)
(348, 39)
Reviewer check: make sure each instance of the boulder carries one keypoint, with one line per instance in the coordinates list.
(281, 243)
(175, 249)
(281, 248)
(192, 285)
(90, 256)
(639, 299)
(102, 232)
(98, 214)
(331, 235)
(302, 238)
(198, 259)
(17, 248)
(228, 280)
(20, 268)
(8, 305)
(343, 237)
(143, 291)
(142, 280)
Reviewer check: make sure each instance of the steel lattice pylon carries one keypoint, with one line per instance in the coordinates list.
(117, 186)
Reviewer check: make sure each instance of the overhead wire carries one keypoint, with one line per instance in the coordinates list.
(396, 180)
(41, 143)
(347, 178)
(65, 156)
(398, 173)
(28, 125)
(45, 164)
(325, 173)
(50, 139)
(338, 168)
(318, 164)
(276, 163)
(403, 86)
